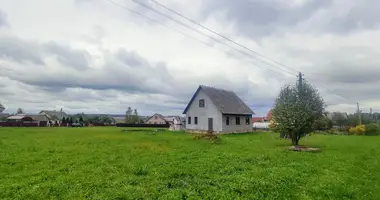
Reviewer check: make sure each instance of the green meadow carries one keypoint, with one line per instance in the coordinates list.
(108, 163)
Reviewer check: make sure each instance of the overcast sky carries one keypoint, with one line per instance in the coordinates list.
(93, 56)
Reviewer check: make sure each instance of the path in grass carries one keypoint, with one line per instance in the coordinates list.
(106, 163)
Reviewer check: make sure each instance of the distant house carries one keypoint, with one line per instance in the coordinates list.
(20, 118)
(267, 118)
(41, 119)
(258, 119)
(217, 110)
(156, 119)
(54, 114)
(175, 122)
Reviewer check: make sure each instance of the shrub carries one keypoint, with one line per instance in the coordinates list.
(372, 129)
(208, 136)
(353, 131)
(358, 130)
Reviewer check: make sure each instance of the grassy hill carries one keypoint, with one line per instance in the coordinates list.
(107, 163)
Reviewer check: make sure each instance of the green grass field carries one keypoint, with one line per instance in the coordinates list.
(106, 163)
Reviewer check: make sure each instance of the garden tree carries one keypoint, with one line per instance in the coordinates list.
(20, 111)
(63, 120)
(2, 108)
(128, 115)
(81, 119)
(323, 123)
(135, 117)
(339, 119)
(296, 109)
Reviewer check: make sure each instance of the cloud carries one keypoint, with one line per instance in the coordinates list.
(67, 56)
(18, 50)
(101, 58)
(3, 19)
(258, 18)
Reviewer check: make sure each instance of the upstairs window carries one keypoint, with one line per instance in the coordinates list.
(237, 120)
(195, 120)
(227, 121)
(201, 103)
(189, 120)
(247, 120)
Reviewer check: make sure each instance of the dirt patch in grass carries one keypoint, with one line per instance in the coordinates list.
(302, 148)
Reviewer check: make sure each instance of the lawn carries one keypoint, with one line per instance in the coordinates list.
(106, 163)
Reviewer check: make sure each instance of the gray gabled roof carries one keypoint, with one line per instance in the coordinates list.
(54, 114)
(226, 101)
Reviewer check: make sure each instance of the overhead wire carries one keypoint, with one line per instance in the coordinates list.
(208, 36)
(204, 34)
(222, 36)
(187, 35)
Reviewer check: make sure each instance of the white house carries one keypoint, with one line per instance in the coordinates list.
(217, 110)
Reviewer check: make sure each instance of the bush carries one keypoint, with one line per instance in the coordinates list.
(372, 129)
(208, 136)
(358, 130)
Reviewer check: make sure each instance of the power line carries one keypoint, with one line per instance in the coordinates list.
(220, 35)
(204, 34)
(180, 32)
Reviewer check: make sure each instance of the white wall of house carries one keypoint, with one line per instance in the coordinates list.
(203, 113)
(235, 128)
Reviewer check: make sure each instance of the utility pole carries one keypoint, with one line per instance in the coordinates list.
(299, 79)
(358, 112)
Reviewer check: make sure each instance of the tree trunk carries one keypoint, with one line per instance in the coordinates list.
(295, 140)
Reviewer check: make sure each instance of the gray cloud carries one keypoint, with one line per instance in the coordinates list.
(68, 56)
(21, 51)
(362, 15)
(128, 73)
(257, 18)
(3, 19)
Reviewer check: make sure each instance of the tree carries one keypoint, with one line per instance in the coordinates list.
(2, 108)
(339, 119)
(322, 124)
(64, 120)
(135, 117)
(71, 120)
(128, 115)
(296, 109)
(81, 119)
(20, 111)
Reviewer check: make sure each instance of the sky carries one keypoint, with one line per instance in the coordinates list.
(96, 56)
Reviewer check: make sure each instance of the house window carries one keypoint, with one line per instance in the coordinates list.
(247, 119)
(201, 103)
(155, 117)
(189, 120)
(195, 120)
(237, 120)
(227, 121)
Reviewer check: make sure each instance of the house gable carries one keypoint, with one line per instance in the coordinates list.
(156, 119)
(199, 115)
(226, 101)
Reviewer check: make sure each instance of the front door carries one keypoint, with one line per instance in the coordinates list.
(210, 124)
